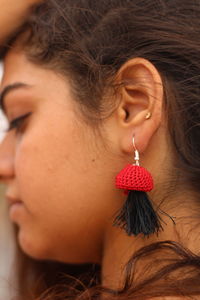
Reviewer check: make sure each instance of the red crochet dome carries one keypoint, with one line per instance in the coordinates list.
(134, 178)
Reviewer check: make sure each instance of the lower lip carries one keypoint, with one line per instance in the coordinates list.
(15, 209)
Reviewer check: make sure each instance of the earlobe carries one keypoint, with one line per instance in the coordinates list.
(141, 97)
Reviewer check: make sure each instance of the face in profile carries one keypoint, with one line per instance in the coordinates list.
(59, 174)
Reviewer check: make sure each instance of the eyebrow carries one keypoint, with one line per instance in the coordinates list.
(8, 89)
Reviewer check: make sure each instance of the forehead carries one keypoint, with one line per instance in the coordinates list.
(17, 68)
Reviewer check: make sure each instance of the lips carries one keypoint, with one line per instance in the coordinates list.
(16, 208)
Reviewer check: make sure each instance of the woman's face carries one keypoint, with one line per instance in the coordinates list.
(59, 176)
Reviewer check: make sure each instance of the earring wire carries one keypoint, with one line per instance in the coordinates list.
(137, 156)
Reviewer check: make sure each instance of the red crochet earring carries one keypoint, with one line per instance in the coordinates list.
(137, 215)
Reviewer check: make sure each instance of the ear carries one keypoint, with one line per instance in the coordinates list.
(140, 108)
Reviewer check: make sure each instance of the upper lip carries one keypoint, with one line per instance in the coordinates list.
(12, 200)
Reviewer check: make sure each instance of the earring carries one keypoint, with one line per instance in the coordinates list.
(137, 215)
(148, 116)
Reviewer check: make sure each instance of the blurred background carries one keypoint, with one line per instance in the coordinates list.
(6, 247)
(2, 118)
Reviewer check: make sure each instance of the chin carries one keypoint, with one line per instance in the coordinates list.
(33, 248)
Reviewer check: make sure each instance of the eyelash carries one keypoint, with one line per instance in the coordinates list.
(17, 123)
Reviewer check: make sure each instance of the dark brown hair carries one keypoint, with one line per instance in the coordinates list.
(89, 41)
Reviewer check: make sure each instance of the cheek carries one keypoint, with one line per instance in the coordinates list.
(53, 177)
(46, 174)
(40, 164)
(63, 184)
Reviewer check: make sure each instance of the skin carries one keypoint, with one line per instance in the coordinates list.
(63, 172)
(69, 163)
(16, 11)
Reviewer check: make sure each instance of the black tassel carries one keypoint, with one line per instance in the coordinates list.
(138, 215)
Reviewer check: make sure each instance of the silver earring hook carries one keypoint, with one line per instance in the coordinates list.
(137, 156)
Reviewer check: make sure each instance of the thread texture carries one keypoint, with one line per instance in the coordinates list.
(134, 178)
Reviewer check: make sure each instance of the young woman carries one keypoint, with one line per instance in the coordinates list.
(91, 88)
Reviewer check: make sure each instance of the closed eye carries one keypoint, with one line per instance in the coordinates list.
(17, 122)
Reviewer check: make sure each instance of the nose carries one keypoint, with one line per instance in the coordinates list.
(6, 159)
